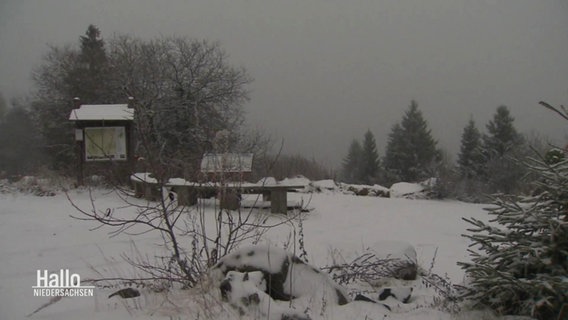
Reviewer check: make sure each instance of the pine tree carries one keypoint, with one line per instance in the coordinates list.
(520, 264)
(501, 146)
(89, 79)
(502, 136)
(67, 73)
(470, 158)
(351, 170)
(411, 150)
(19, 142)
(370, 159)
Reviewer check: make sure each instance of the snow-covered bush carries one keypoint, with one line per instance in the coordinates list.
(41, 187)
(520, 265)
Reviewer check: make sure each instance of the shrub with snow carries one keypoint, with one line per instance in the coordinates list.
(40, 187)
(382, 261)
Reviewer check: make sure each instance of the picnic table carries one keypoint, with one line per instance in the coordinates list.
(188, 192)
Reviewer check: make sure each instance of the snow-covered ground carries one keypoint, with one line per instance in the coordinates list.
(37, 233)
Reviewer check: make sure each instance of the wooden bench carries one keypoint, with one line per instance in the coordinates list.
(189, 192)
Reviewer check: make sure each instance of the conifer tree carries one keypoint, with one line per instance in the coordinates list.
(351, 170)
(89, 79)
(502, 136)
(19, 142)
(411, 150)
(519, 262)
(501, 146)
(370, 159)
(470, 158)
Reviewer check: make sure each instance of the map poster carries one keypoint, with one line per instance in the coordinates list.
(105, 143)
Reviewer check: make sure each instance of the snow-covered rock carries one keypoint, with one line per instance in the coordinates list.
(267, 181)
(366, 190)
(325, 185)
(288, 276)
(246, 293)
(422, 190)
(406, 190)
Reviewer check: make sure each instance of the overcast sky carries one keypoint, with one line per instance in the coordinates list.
(327, 70)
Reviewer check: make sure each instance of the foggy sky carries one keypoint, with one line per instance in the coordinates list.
(327, 70)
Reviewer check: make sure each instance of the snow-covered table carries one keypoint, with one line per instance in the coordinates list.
(188, 192)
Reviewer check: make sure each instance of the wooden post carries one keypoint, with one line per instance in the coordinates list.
(79, 147)
(230, 199)
(279, 201)
(187, 196)
(138, 189)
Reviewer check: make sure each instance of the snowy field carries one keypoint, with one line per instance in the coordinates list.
(37, 233)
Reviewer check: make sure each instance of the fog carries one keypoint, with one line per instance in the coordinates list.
(325, 71)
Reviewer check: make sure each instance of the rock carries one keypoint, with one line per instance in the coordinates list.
(126, 293)
(402, 294)
(407, 190)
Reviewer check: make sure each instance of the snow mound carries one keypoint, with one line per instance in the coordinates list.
(405, 190)
(40, 187)
(267, 181)
(366, 190)
(298, 180)
(328, 184)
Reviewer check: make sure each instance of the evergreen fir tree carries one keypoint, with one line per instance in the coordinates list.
(470, 158)
(19, 142)
(411, 150)
(501, 146)
(370, 159)
(502, 136)
(395, 152)
(351, 171)
(89, 79)
(520, 263)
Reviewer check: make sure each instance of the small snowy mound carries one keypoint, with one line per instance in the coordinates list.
(299, 181)
(31, 185)
(325, 185)
(267, 181)
(407, 190)
(366, 190)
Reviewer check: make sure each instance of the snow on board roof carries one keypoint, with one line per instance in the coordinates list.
(227, 162)
(102, 112)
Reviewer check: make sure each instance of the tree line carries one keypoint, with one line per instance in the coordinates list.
(186, 92)
(486, 161)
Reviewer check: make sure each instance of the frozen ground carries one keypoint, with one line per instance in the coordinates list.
(38, 233)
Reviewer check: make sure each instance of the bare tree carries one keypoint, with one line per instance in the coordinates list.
(194, 237)
(185, 91)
